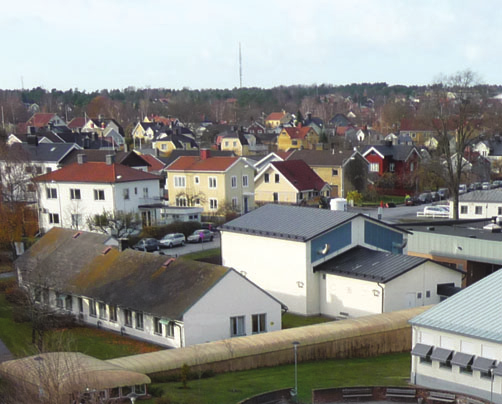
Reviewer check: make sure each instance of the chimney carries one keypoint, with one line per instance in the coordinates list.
(110, 159)
(123, 244)
(205, 154)
(81, 158)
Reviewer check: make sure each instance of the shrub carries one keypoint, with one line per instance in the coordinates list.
(7, 284)
(356, 197)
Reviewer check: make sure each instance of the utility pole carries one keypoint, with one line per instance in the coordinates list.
(3, 122)
(240, 66)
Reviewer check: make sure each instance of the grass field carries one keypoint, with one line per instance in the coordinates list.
(230, 388)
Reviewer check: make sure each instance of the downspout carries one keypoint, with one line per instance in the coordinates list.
(181, 332)
(383, 295)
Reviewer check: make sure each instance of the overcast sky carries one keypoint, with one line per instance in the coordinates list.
(96, 44)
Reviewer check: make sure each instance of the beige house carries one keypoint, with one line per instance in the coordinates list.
(343, 170)
(289, 182)
(213, 183)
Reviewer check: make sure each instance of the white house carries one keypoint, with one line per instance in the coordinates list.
(479, 204)
(78, 191)
(295, 253)
(169, 301)
(457, 345)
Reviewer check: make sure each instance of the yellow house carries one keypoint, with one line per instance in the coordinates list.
(301, 137)
(289, 182)
(214, 183)
(275, 119)
(235, 142)
(334, 167)
(167, 142)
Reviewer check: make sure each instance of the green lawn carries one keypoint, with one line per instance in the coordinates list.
(88, 340)
(292, 320)
(230, 388)
(210, 253)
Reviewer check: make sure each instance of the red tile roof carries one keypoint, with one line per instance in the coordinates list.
(40, 120)
(275, 116)
(155, 163)
(298, 133)
(97, 172)
(78, 122)
(195, 163)
(299, 174)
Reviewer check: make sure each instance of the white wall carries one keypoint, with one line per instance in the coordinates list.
(276, 265)
(488, 209)
(419, 280)
(209, 319)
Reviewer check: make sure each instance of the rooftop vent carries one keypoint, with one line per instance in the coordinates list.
(78, 233)
(106, 250)
(168, 262)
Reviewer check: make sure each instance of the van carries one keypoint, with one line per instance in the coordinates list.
(462, 189)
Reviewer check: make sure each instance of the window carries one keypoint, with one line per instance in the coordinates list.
(59, 300)
(196, 180)
(48, 170)
(412, 166)
(113, 312)
(128, 318)
(92, 308)
(102, 311)
(233, 181)
(213, 204)
(276, 197)
(479, 210)
(80, 305)
(76, 220)
(52, 193)
(37, 295)
(244, 180)
(294, 142)
(266, 178)
(135, 191)
(99, 195)
(170, 329)
(38, 169)
(499, 210)
(163, 146)
(145, 192)
(126, 193)
(237, 326)
(179, 182)
(374, 167)
(234, 143)
(75, 193)
(259, 323)
(53, 218)
(428, 294)
(139, 320)
(419, 295)
(464, 209)
(392, 167)
(181, 202)
(234, 203)
(68, 303)
(277, 178)
(157, 326)
(334, 172)
(212, 182)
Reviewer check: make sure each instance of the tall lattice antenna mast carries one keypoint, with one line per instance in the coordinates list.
(240, 66)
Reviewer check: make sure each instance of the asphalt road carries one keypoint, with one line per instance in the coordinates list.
(192, 247)
(399, 214)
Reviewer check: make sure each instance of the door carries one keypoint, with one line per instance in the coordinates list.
(410, 300)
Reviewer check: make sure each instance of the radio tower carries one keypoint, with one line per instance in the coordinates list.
(240, 66)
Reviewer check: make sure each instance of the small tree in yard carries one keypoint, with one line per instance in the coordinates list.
(118, 224)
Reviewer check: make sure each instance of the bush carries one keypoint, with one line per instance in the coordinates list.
(158, 232)
(155, 391)
(7, 284)
(16, 295)
(356, 197)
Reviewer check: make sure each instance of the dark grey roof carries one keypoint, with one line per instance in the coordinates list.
(130, 158)
(288, 222)
(399, 152)
(85, 266)
(489, 195)
(179, 152)
(46, 152)
(340, 120)
(322, 157)
(469, 229)
(363, 263)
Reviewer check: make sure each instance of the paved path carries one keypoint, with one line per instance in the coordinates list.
(5, 354)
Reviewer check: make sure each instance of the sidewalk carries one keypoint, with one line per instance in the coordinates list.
(5, 354)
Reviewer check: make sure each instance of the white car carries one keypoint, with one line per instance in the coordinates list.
(172, 239)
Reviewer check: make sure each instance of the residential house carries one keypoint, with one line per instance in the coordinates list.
(211, 182)
(343, 170)
(41, 121)
(168, 301)
(314, 122)
(480, 204)
(301, 261)
(399, 160)
(272, 156)
(474, 166)
(290, 182)
(256, 128)
(179, 138)
(102, 125)
(234, 141)
(300, 137)
(146, 131)
(457, 345)
(276, 119)
(492, 150)
(72, 195)
(77, 124)
(129, 159)
(419, 131)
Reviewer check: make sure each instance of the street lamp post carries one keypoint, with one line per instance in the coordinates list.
(294, 393)
(492, 376)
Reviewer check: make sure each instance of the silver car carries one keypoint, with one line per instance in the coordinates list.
(172, 239)
(199, 236)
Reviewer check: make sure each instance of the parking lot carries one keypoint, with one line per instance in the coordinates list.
(191, 247)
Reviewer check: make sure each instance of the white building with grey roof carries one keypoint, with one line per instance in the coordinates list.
(299, 255)
(457, 345)
(479, 204)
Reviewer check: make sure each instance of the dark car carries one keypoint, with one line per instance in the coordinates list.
(412, 201)
(444, 193)
(146, 244)
(198, 236)
(425, 197)
(435, 196)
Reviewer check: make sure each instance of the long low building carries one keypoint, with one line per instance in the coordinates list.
(168, 301)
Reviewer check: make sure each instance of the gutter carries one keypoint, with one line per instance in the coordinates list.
(383, 294)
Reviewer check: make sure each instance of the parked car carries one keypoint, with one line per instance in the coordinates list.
(435, 196)
(462, 189)
(444, 193)
(201, 235)
(147, 244)
(172, 239)
(440, 211)
(486, 185)
(425, 197)
(497, 183)
(412, 201)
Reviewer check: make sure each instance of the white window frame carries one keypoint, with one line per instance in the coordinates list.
(179, 181)
(235, 202)
(374, 167)
(99, 194)
(245, 181)
(128, 318)
(145, 192)
(112, 309)
(233, 181)
(140, 320)
(92, 308)
(102, 310)
(213, 204)
(212, 182)
(237, 326)
(170, 329)
(392, 167)
(196, 180)
(76, 220)
(260, 321)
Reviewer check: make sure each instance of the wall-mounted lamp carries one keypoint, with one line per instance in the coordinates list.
(244, 273)
(376, 292)
(324, 250)
(300, 284)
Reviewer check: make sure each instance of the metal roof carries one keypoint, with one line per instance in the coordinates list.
(363, 263)
(473, 311)
(288, 222)
(467, 230)
(489, 195)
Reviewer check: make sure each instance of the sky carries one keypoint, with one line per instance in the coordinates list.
(114, 44)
